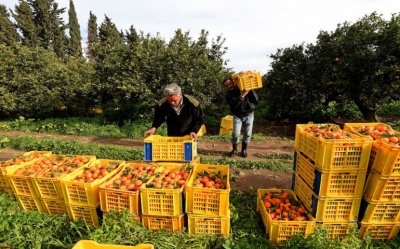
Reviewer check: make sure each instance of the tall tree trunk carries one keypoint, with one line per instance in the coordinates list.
(368, 113)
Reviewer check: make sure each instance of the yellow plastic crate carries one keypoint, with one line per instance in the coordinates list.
(326, 209)
(54, 207)
(86, 194)
(387, 160)
(88, 244)
(335, 229)
(204, 224)
(90, 215)
(279, 231)
(207, 201)
(352, 127)
(50, 188)
(162, 202)
(30, 203)
(333, 154)
(247, 80)
(225, 131)
(227, 122)
(177, 149)
(379, 212)
(384, 158)
(330, 183)
(382, 188)
(202, 130)
(119, 199)
(154, 222)
(4, 183)
(23, 185)
(379, 231)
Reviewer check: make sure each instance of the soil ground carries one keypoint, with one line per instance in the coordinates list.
(210, 149)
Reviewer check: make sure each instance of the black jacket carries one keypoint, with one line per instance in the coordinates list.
(189, 120)
(241, 107)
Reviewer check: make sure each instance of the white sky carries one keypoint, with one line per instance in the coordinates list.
(253, 29)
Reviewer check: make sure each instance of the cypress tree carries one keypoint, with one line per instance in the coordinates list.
(8, 33)
(131, 35)
(92, 36)
(24, 21)
(50, 26)
(109, 34)
(75, 47)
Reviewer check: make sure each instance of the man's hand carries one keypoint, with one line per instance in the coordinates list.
(193, 135)
(150, 131)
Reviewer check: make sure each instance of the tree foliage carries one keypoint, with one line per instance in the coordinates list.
(75, 47)
(357, 63)
(8, 34)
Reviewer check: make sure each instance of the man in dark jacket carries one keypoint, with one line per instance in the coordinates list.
(242, 107)
(182, 113)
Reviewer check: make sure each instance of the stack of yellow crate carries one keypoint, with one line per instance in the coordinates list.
(207, 200)
(380, 208)
(329, 174)
(226, 125)
(17, 162)
(162, 207)
(21, 180)
(48, 183)
(82, 197)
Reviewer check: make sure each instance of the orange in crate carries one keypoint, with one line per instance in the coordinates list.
(122, 191)
(78, 191)
(21, 179)
(49, 186)
(208, 201)
(162, 196)
(349, 153)
(281, 230)
(17, 162)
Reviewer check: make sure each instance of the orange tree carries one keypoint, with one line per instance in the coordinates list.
(35, 82)
(357, 63)
(133, 69)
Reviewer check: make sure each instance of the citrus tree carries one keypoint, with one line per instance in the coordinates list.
(357, 63)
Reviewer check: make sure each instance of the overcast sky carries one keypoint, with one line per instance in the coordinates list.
(253, 29)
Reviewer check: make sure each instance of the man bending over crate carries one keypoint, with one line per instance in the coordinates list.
(242, 108)
(182, 113)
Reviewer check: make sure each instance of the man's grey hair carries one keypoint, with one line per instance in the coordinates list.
(172, 90)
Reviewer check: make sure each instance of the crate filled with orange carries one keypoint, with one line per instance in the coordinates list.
(122, 191)
(163, 194)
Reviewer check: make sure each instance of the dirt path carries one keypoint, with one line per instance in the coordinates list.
(206, 149)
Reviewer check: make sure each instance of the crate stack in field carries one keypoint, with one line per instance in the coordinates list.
(226, 125)
(12, 164)
(380, 207)
(162, 198)
(81, 189)
(207, 200)
(330, 169)
(20, 179)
